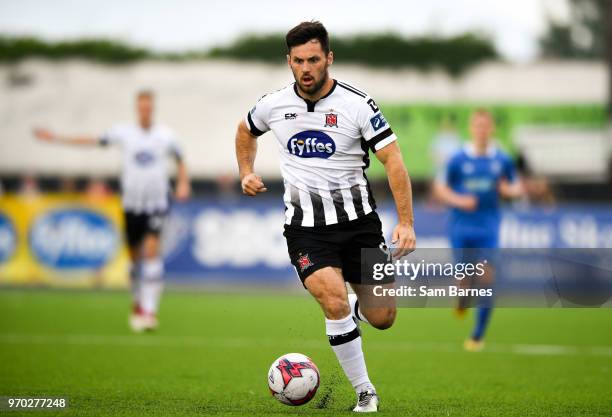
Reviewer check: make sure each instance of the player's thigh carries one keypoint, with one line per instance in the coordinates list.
(151, 240)
(479, 247)
(327, 286)
(135, 229)
(151, 245)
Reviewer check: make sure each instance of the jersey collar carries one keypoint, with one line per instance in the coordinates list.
(470, 150)
(310, 105)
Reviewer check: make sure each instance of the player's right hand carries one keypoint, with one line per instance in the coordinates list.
(252, 184)
(44, 134)
(467, 203)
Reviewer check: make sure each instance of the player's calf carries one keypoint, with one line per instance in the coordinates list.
(381, 318)
(327, 286)
(378, 311)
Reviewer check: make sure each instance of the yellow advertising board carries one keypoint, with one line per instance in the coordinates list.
(64, 240)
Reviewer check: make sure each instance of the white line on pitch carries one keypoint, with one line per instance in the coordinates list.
(202, 342)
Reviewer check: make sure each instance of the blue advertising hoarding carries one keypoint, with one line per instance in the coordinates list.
(241, 241)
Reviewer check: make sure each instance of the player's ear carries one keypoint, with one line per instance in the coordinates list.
(289, 60)
(330, 58)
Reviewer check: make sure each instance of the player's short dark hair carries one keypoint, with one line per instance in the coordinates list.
(145, 93)
(307, 31)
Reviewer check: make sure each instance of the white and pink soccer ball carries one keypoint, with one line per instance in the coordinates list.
(293, 379)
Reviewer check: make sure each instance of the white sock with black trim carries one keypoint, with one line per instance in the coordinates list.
(356, 309)
(345, 340)
(151, 285)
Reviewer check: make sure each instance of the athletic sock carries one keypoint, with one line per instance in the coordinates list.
(135, 280)
(345, 340)
(482, 318)
(356, 309)
(151, 285)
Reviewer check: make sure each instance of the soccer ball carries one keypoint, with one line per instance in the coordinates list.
(293, 379)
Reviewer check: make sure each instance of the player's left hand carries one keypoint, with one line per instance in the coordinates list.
(183, 191)
(404, 239)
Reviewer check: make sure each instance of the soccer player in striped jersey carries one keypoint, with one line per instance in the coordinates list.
(325, 130)
(145, 198)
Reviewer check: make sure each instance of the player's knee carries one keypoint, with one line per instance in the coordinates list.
(384, 319)
(336, 307)
(151, 247)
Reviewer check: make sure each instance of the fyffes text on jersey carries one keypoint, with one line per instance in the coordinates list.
(311, 144)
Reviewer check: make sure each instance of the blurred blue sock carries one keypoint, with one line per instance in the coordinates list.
(482, 319)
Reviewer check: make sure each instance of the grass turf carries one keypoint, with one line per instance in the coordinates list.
(212, 353)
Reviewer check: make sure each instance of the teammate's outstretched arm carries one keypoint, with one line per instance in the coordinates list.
(49, 136)
(246, 150)
(399, 182)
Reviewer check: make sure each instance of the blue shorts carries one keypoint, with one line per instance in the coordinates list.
(474, 244)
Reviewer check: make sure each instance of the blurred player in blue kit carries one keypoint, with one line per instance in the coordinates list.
(472, 184)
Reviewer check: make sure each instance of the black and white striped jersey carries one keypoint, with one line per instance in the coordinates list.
(324, 151)
(144, 178)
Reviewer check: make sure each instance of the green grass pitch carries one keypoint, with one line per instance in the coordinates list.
(212, 352)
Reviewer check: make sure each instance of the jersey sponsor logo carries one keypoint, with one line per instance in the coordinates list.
(144, 158)
(378, 122)
(311, 144)
(290, 116)
(331, 120)
(73, 238)
(8, 238)
(479, 184)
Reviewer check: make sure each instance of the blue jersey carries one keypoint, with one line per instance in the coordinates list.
(478, 175)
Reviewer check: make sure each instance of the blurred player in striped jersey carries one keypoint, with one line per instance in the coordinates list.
(145, 198)
(475, 179)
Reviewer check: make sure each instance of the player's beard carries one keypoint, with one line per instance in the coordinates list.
(313, 89)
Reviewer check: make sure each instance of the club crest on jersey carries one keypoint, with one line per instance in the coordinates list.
(304, 262)
(331, 120)
(467, 168)
(311, 144)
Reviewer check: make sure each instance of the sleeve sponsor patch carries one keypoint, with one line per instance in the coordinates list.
(378, 122)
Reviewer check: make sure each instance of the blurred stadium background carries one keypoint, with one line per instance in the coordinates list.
(552, 111)
(60, 216)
